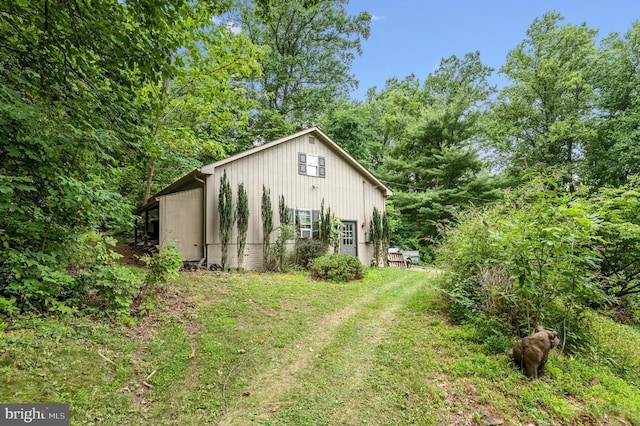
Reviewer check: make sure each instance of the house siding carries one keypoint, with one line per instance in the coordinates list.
(181, 223)
(350, 195)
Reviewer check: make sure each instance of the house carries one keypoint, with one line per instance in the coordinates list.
(306, 168)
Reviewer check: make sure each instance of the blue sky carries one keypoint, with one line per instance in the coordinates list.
(412, 36)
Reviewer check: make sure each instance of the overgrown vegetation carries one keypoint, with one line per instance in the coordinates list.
(94, 282)
(306, 250)
(543, 256)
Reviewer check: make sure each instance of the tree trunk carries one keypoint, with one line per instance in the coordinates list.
(147, 189)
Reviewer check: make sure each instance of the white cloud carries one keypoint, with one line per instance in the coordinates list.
(376, 17)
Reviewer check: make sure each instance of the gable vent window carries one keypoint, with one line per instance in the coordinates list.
(311, 165)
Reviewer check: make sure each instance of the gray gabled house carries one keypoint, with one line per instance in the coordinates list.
(306, 168)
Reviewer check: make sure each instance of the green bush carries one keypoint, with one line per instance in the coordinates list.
(337, 268)
(308, 250)
(519, 260)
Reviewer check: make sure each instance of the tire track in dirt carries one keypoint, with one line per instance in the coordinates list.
(269, 390)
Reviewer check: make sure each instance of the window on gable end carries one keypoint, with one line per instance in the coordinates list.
(311, 165)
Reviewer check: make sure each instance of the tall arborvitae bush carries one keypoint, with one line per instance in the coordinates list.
(375, 227)
(267, 226)
(386, 237)
(242, 222)
(225, 210)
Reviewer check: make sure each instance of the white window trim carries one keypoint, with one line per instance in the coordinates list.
(305, 231)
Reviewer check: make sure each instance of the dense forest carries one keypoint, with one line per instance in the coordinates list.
(104, 103)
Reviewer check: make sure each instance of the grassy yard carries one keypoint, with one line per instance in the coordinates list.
(278, 349)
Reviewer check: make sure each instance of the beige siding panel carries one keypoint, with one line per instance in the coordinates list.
(181, 222)
(349, 194)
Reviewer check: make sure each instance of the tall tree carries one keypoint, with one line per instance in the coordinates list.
(435, 167)
(311, 47)
(69, 72)
(544, 114)
(202, 99)
(612, 155)
(368, 129)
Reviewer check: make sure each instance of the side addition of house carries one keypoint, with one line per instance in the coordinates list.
(306, 168)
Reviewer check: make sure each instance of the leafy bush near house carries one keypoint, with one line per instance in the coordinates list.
(308, 250)
(336, 268)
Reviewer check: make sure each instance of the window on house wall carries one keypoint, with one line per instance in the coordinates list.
(305, 224)
(306, 221)
(311, 165)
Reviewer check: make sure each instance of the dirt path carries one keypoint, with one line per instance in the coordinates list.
(325, 350)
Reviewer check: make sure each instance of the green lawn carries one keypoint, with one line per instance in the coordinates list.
(278, 349)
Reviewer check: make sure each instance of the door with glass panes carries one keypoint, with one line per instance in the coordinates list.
(348, 238)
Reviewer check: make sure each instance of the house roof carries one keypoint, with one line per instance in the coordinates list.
(194, 178)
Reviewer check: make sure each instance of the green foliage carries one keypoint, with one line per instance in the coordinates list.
(161, 266)
(267, 225)
(278, 250)
(385, 236)
(199, 98)
(376, 230)
(329, 228)
(336, 268)
(283, 211)
(435, 168)
(619, 210)
(544, 115)
(612, 154)
(73, 124)
(242, 221)
(100, 283)
(306, 250)
(227, 218)
(521, 259)
(309, 58)
(93, 280)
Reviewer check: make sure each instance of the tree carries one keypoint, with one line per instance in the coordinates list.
(545, 114)
(367, 130)
(242, 221)
(619, 210)
(225, 211)
(70, 121)
(203, 98)
(285, 233)
(311, 47)
(612, 155)
(435, 167)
